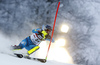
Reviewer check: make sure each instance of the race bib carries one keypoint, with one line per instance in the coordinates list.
(36, 39)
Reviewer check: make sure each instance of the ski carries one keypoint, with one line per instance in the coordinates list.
(41, 60)
(30, 58)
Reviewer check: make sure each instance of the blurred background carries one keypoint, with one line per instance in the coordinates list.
(76, 31)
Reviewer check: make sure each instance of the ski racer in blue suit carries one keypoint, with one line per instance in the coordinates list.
(31, 43)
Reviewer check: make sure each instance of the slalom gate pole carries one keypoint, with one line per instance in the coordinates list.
(52, 30)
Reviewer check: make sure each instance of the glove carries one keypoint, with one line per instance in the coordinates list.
(39, 32)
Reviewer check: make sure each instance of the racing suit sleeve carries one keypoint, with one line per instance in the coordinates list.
(36, 30)
(49, 38)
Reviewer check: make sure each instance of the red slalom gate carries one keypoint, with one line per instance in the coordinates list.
(53, 30)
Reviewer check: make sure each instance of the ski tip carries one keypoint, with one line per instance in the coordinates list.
(41, 60)
(44, 61)
(19, 55)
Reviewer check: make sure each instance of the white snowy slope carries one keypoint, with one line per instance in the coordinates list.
(6, 59)
(10, 60)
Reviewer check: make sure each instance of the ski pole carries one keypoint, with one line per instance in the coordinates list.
(52, 30)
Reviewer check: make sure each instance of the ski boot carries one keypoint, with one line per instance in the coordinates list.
(15, 47)
(17, 51)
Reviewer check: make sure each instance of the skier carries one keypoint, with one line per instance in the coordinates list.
(31, 43)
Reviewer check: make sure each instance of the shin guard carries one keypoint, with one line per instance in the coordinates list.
(33, 50)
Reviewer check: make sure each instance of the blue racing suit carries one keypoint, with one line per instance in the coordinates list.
(29, 44)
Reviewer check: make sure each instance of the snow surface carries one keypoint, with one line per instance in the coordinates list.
(6, 59)
(10, 60)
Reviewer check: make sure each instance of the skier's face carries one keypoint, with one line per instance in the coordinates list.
(48, 31)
